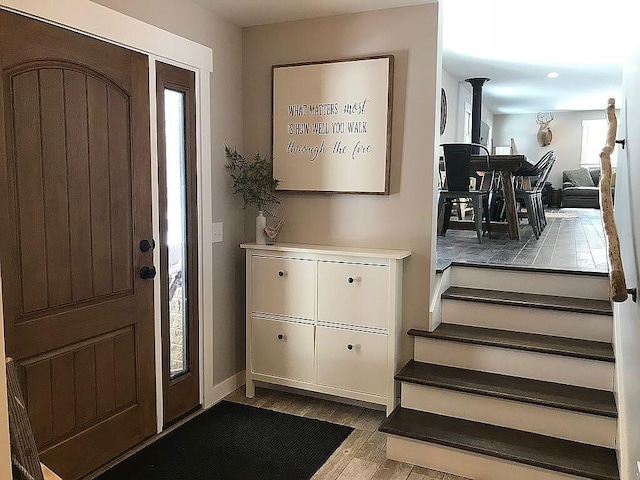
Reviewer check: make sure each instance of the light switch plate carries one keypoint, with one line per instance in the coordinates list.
(216, 232)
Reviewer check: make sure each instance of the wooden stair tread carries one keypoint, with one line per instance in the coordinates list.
(555, 454)
(549, 302)
(527, 268)
(555, 395)
(533, 342)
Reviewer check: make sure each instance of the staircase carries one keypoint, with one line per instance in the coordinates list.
(515, 383)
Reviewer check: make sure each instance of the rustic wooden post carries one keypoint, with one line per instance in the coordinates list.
(618, 287)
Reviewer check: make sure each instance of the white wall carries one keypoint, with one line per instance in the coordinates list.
(567, 137)
(405, 218)
(459, 93)
(452, 128)
(466, 96)
(627, 314)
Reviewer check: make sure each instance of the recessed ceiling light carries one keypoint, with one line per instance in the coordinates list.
(553, 75)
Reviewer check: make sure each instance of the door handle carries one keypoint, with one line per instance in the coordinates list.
(146, 245)
(147, 272)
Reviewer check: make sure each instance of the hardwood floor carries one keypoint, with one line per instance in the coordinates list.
(362, 456)
(572, 240)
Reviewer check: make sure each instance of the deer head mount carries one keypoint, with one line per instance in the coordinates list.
(544, 132)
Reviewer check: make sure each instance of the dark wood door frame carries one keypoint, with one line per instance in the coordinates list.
(181, 395)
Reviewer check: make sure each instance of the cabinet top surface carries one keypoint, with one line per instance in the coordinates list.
(329, 249)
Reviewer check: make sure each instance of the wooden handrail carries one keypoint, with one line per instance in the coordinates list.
(617, 283)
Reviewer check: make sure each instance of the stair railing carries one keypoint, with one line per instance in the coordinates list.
(617, 283)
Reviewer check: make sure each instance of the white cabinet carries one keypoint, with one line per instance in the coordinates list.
(353, 360)
(324, 319)
(354, 294)
(281, 286)
(281, 349)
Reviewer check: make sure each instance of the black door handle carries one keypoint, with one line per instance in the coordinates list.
(147, 272)
(146, 245)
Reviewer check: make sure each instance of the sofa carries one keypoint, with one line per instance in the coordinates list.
(580, 188)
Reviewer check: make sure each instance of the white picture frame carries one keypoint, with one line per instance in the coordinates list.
(331, 128)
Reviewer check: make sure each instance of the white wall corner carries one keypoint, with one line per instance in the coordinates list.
(225, 387)
(442, 283)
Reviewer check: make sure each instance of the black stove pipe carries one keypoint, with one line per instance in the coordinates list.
(476, 106)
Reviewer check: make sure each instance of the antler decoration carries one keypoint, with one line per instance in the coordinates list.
(544, 136)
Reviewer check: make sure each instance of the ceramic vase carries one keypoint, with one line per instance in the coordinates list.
(261, 222)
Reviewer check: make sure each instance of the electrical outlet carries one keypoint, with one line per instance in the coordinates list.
(216, 232)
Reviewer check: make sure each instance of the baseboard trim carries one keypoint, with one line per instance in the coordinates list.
(225, 387)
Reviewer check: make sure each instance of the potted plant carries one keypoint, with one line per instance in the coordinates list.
(254, 181)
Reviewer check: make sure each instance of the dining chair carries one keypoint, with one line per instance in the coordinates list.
(521, 180)
(528, 195)
(457, 163)
(464, 206)
(531, 196)
(540, 188)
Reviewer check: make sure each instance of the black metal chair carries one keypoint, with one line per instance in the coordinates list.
(532, 196)
(457, 162)
(527, 196)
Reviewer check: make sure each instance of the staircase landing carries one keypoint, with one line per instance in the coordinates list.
(572, 240)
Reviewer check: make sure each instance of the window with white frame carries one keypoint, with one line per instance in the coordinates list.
(594, 137)
(466, 127)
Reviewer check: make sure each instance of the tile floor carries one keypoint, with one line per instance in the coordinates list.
(362, 456)
(572, 240)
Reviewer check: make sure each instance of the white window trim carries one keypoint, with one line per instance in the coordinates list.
(593, 160)
(466, 123)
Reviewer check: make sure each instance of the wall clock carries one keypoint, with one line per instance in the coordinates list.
(443, 110)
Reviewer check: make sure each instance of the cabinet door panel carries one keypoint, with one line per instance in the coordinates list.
(282, 349)
(283, 286)
(362, 368)
(353, 294)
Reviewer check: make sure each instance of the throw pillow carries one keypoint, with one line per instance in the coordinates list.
(579, 177)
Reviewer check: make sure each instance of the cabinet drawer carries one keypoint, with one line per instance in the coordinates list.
(362, 368)
(353, 294)
(283, 286)
(282, 349)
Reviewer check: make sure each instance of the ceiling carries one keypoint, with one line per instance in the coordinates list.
(513, 42)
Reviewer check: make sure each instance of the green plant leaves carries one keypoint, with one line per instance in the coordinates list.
(253, 180)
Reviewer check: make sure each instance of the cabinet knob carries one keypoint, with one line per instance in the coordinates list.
(349, 347)
(280, 336)
(350, 280)
(281, 273)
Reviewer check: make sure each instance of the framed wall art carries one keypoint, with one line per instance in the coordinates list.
(332, 125)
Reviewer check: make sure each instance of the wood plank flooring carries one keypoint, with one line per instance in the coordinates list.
(572, 240)
(362, 456)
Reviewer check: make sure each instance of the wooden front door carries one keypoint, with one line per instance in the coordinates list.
(75, 203)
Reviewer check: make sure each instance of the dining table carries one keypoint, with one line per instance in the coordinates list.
(505, 166)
